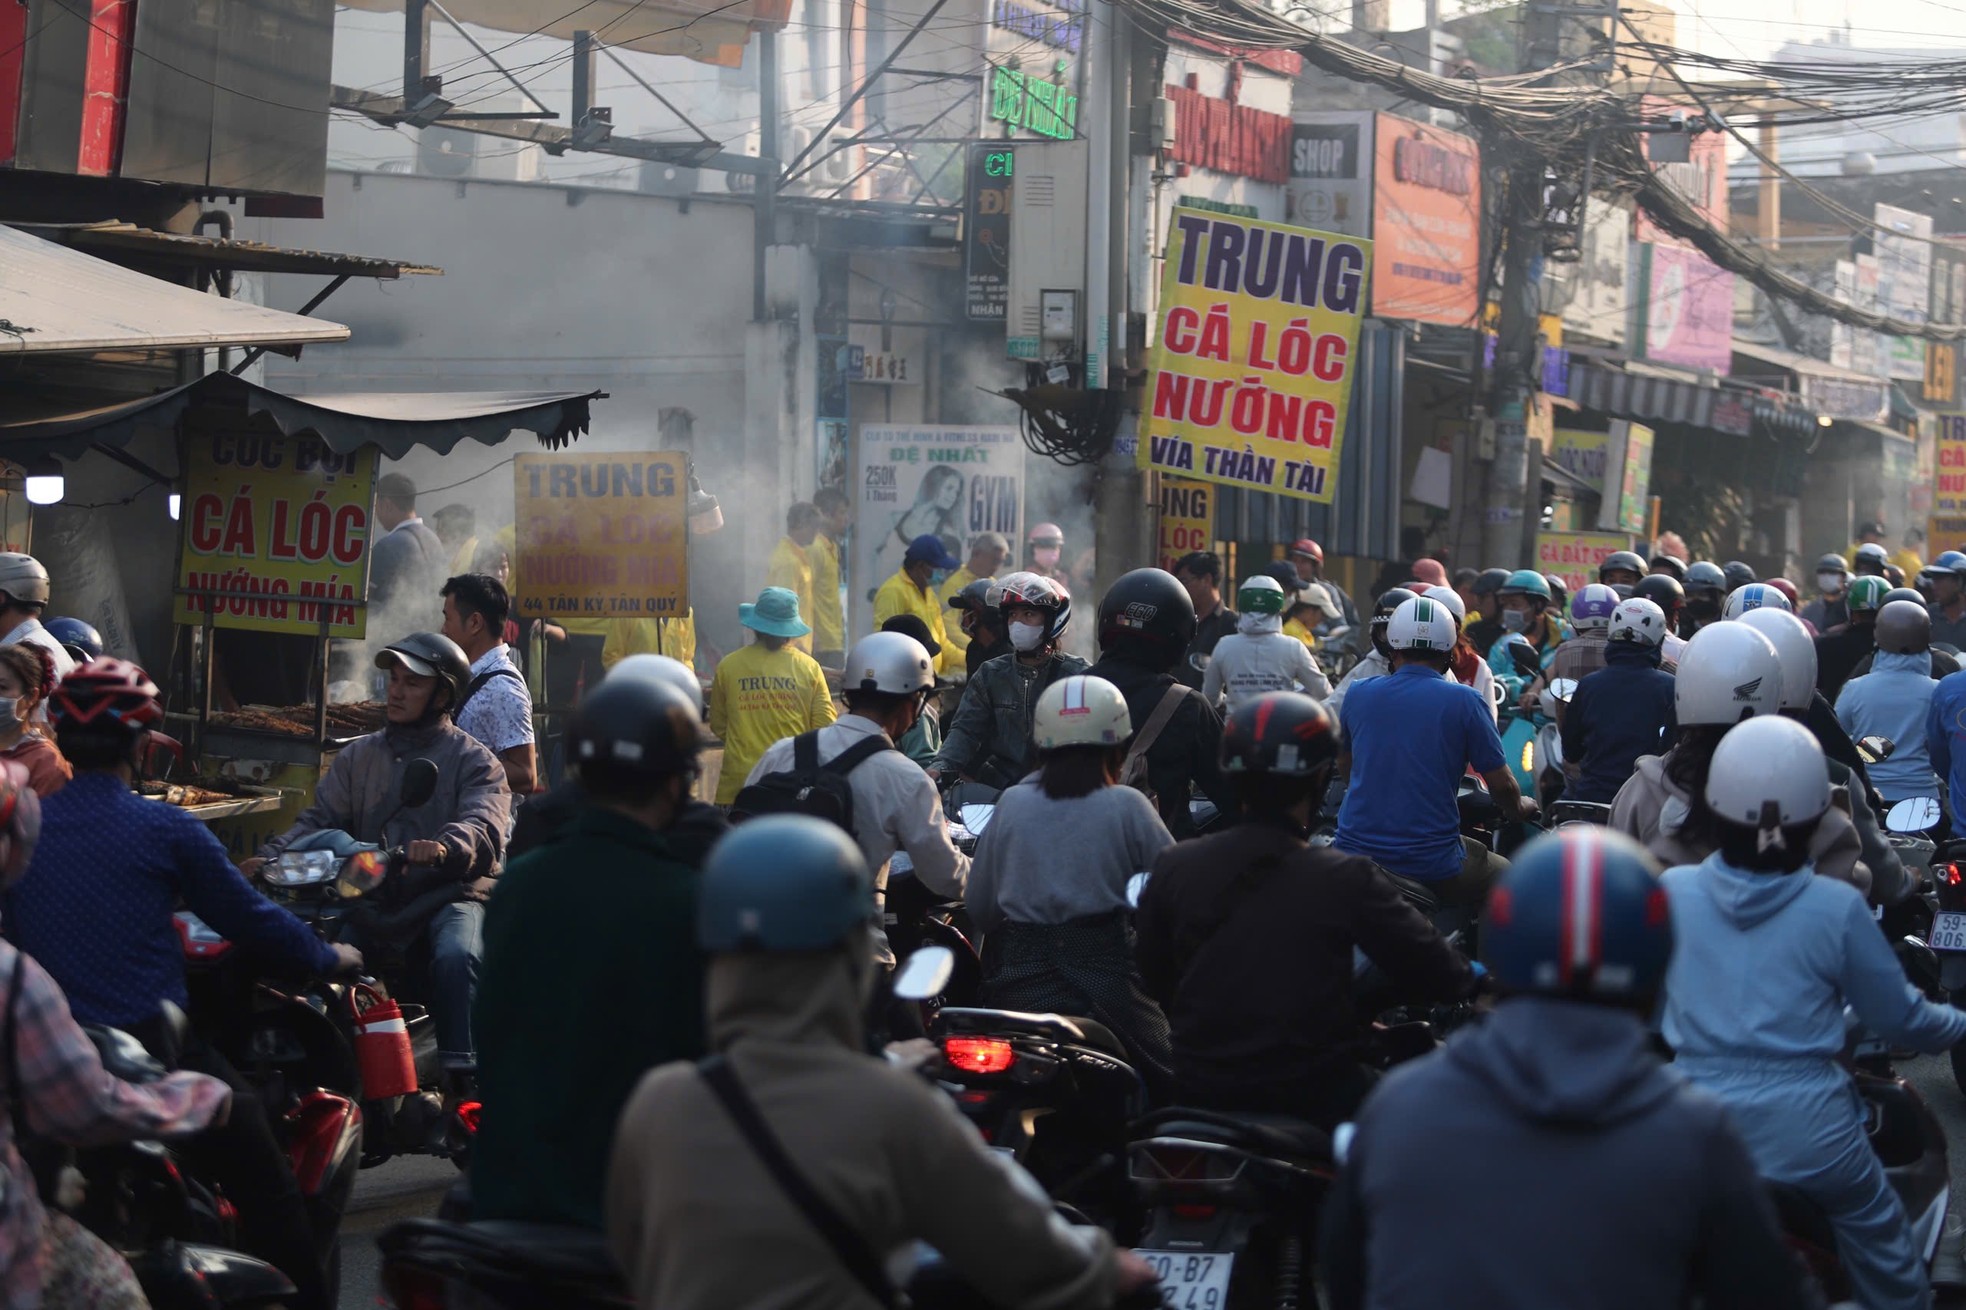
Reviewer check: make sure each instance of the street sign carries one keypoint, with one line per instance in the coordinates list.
(986, 232)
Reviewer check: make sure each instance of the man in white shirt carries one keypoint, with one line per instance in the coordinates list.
(1258, 657)
(496, 705)
(23, 595)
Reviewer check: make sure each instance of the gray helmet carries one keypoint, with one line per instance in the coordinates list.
(1871, 558)
(1902, 593)
(783, 882)
(23, 578)
(1832, 563)
(430, 655)
(1621, 559)
(1904, 628)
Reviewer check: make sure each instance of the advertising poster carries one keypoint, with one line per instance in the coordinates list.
(1254, 353)
(1947, 530)
(1629, 508)
(1187, 519)
(1685, 308)
(1426, 224)
(1575, 556)
(1904, 284)
(1589, 295)
(275, 535)
(602, 536)
(949, 482)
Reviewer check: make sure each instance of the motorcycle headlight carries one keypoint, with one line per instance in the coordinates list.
(303, 868)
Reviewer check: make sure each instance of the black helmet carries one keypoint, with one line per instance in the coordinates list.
(1904, 627)
(430, 655)
(1283, 734)
(1663, 590)
(1383, 608)
(1489, 581)
(636, 726)
(1705, 575)
(1738, 574)
(1148, 613)
(1285, 573)
(1673, 565)
(1900, 593)
(975, 596)
(1621, 559)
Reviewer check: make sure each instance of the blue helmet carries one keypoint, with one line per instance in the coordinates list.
(1580, 913)
(783, 882)
(80, 639)
(1950, 561)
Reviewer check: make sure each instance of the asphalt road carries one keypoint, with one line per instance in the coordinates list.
(405, 1188)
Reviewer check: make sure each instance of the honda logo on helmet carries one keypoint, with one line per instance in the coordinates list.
(1748, 691)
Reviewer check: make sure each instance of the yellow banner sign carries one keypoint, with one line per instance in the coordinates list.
(1947, 529)
(602, 536)
(1253, 364)
(1575, 556)
(274, 534)
(1187, 519)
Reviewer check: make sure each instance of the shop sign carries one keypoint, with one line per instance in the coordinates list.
(1590, 294)
(1023, 100)
(1575, 556)
(1426, 223)
(1330, 185)
(1904, 284)
(1581, 454)
(275, 534)
(602, 535)
(1062, 31)
(1225, 137)
(1941, 386)
(1684, 310)
(986, 232)
(1947, 529)
(1863, 402)
(1253, 361)
(1627, 502)
(1187, 519)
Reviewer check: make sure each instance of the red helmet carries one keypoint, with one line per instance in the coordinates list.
(1787, 588)
(106, 693)
(1305, 546)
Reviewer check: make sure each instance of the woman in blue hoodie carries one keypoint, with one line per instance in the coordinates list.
(1767, 956)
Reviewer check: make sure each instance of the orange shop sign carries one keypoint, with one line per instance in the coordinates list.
(1426, 223)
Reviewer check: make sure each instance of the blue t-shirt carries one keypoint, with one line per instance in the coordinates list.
(1412, 736)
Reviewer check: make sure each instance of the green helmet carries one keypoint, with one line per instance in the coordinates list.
(1866, 594)
(1261, 594)
(1525, 582)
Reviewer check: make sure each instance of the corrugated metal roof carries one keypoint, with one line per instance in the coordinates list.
(55, 300)
(220, 252)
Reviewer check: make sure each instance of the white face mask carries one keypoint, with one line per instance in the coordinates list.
(1829, 584)
(1027, 636)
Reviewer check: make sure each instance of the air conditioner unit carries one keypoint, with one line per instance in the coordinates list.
(1047, 241)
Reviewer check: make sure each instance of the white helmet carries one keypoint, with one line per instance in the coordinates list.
(23, 578)
(1768, 774)
(1637, 621)
(1794, 646)
(1421, 624)
(1727, 673)
(893, 662)
(1754, 596)
(1079, 711)
(660, 668)
(1450, 598)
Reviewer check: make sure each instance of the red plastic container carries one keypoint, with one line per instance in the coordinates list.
(382, 1045)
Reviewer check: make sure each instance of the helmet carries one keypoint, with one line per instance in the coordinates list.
(1832, 563)
(430, 655)
(1557, 590)
(1794, 647)
(1754, 596)
(1148, 611)
(1587, 876)
(635, 725)
(23, 578)
(1305, 546)
(1080, 711)
(783, 882)
(1450, 598)
(1738, 574)
(1768, 774)
(108, 695)
(79, 639)
(1662, 589)
(892, 662)
(1789, 593)
(1041, 593)
(1045, 534)
(1901, 593)
(1638, 621)
(1421, 624)
(1950, 561)
(1489, 581)
(1870, 558)
(1669, 566)
(1283, 733)
(1867, 594)
(1621, 559)
(1260, 595)
(1705, 575)
(1389, 601)
(1904, 628)
(1286, 576)
(1592, 609)
(663, 669)
(974, 596)
(1727, 673)
(1525, 582)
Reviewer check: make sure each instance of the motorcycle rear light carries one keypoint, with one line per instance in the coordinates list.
(415, 1289)
(979, 1054)
(1951, 875)
(1195, 1211)
(467, 1114)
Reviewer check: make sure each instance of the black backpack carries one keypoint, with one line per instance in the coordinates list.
(809, 787)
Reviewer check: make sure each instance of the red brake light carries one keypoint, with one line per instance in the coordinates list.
(414, 1289)
(467, 1114)
(1194, 1211)
(979, 1054)
(1952, 875)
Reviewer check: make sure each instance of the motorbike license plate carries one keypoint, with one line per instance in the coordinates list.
(1948, 931)
(1192, 1280)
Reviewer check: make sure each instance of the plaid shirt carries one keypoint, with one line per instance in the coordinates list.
(67, 1095)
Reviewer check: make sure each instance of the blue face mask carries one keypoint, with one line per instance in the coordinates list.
(937, 577)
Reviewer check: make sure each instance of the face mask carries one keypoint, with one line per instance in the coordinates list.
(1703, 607)
(1514, 620)
(1829, 584)
(1046, 556)
(1027, 636)
(937, 577)
(9, 713)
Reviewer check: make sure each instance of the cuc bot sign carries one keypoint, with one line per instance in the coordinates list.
(602, 535)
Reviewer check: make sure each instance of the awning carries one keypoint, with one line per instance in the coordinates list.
(54, 300)
(219, 252)
(1659, 399)
(397, 422)
(1555, 473)
(1824, 387)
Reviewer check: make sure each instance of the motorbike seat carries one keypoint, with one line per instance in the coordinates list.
(1276, 1134)
(555, 1252)
(1057, 1027)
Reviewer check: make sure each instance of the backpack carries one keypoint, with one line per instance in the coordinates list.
(1133, 773)
(809, 787)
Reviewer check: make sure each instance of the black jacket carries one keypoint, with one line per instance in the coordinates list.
(1838, 652)
(977, 654)
(1622, 711)
(1484, 632)
(1546, 1158)
(1208, 631)
(1188, 751)
(1245, 938)
(545, 818)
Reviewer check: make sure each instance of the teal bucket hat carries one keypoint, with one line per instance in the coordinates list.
(776, 614)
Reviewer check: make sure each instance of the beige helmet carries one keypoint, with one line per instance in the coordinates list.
(1080, 711)
(23, 578)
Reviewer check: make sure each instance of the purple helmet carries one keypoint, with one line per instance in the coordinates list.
(1591, 611)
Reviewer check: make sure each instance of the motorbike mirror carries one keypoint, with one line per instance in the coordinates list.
(1876, 749)
(419, 784)
(1134, 886)
(977, 817)
(924, 974)
(1921, 964)
(1917, 814)
(1527, 662)
(1198, 661)
(1563, 689)
(1499, 694)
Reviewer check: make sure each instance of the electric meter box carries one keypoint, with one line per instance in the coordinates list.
(1047, 252)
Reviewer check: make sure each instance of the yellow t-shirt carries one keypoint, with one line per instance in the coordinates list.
(675, 638)
(1907, 559)
(791, 568)
(759, 697)
(900, 595)
(1295, 629)
(957, 641)
(827, 620)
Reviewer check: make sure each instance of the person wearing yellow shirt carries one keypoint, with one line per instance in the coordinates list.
(1908, 557)
(1312, 607)
(791, 561)
(828, 618)
(914, 589)
(675, 638)
(767, 691)
(988, 552)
